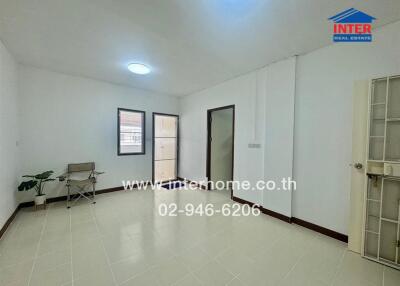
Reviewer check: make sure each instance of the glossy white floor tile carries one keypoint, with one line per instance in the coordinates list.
(122, 240)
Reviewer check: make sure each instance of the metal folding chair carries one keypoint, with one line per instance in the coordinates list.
(79, 177)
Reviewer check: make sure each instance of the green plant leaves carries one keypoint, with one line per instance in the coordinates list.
(44, 175)
(26, 186)
(40, 176)
(37, 182)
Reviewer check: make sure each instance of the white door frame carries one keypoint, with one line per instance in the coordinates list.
(361, 91)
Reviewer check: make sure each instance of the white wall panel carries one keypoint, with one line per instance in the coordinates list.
(9, 134)
(67, 119)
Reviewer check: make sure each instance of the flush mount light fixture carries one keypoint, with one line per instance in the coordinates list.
(138, 68)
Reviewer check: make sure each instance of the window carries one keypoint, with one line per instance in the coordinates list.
(131, 132)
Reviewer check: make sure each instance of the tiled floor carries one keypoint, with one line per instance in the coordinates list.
(123, 241)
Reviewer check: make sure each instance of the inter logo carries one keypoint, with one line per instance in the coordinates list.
(352, 26)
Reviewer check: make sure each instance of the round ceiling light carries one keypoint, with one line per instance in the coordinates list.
(138, 68)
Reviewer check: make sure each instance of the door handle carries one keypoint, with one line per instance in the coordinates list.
(358, 166)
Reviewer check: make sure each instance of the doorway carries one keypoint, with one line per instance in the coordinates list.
(165, 147)
(220, 146)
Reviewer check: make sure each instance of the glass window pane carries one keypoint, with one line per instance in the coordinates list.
(391, 199)
(131, 139)
(392, 141)
(165, 126)
(394, 98)
(388, 241)
(164, 170)
(379, 95)
(164, 148)
(371, 244)
(376, 148)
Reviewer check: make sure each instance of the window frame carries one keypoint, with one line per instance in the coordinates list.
(143, 131)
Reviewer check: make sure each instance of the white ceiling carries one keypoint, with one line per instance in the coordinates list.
(190, 44)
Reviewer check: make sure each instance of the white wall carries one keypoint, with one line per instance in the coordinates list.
(8, 135)
(323, 83)
(322, 134)
(193, 132)
(67, 119)
(279, 124)
(323, 118)
(263, 105)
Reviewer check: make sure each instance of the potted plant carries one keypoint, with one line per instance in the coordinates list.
(37, 182)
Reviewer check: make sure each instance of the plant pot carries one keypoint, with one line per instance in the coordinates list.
(40, 200)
